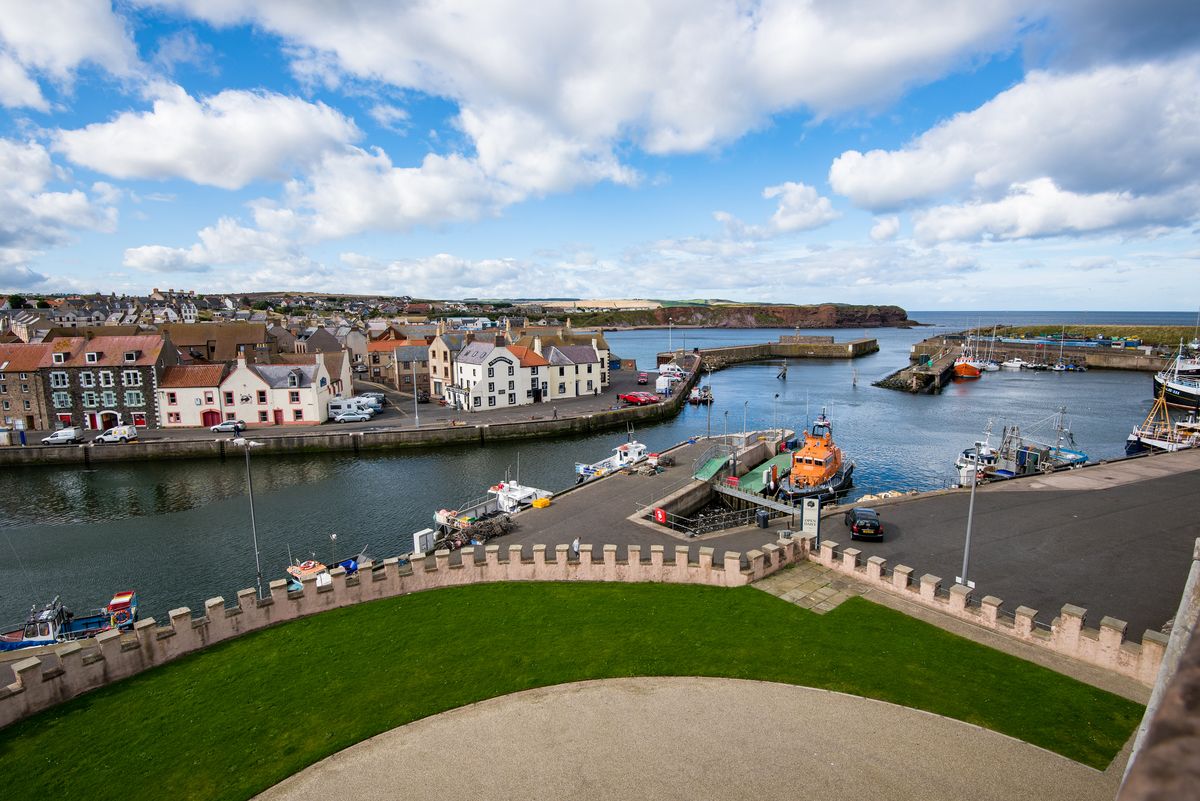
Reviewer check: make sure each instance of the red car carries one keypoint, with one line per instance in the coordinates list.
(643, 378)
(639, 398)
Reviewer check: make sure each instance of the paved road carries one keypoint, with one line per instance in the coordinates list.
(1116, 539)
(687, 738)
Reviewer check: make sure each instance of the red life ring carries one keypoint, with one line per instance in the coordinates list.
(660, 515)
(309, 565)
(120, 617)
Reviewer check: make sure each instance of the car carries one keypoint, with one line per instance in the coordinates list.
(639, 398)
(360, 368)
(379, 396)
(351, 417)
(864, 523)
(643, 378)
(117, 434)
(64, 436)
(230, 426)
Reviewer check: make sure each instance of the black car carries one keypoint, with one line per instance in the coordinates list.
(864, 523)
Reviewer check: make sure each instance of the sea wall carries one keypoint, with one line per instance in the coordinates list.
(1104, 647)
(1107, 358)
(789, 347)
(76, 668)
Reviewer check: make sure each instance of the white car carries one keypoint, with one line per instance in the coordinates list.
(351, 417)
(232, 426)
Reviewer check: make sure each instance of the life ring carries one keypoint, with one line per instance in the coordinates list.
(979, 475)
(308, 565)
(120, 617)
(660, 515)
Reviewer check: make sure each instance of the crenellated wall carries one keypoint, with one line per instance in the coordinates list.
(1105, 647)
(75, 668)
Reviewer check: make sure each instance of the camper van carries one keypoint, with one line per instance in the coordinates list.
(339, 405)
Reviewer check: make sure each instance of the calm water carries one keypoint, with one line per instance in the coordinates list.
(179, 532)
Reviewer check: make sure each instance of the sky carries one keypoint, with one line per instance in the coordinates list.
(933, 155)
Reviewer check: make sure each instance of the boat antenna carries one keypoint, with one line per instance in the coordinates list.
(21, 565)
(290, 560)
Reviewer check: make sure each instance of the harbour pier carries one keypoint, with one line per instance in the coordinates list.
(789, 346)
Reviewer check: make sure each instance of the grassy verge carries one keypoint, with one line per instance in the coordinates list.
(1168, 335)
(237, 718)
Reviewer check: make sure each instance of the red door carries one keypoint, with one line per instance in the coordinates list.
(210, 418)
(279, 417)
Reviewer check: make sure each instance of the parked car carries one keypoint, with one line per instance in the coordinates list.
(360, 368)
(643, 378)
(422, 396)
(864, 523)
(639, 398)
(117, 434)
(351, 417)
(379, 396)
(64, 436)
(229, 426)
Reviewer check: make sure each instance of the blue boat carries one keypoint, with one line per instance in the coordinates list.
(55, 623)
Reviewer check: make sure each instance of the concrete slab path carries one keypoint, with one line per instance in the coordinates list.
(688, 738)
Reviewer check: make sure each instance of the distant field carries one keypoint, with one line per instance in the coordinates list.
(1167, 335)
(235, 719)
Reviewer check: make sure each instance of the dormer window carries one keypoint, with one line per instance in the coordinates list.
(132, 355)
(92, 357)
(293, 380)
(60, 358)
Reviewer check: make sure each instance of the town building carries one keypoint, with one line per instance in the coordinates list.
(219, 342)
(99, 382)
(489, 375)
(22, 397)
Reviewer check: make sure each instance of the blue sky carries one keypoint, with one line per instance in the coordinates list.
(934, 155)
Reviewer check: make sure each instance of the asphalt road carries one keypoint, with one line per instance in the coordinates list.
(1112, 546)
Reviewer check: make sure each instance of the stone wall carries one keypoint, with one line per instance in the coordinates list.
(1105, 647)
(75, 668)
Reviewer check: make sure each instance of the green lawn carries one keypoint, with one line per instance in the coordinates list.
(235, 719)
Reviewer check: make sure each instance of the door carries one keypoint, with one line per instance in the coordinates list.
(279, 417)
(108, 420)
(210, 417)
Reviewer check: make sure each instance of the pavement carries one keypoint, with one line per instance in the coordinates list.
(1115, 539)
(687, 738)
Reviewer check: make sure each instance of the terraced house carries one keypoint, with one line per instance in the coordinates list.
(22, 400)
(99, 382)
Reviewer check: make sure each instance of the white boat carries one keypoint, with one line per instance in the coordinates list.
(1020, 454)
(1014, 364)
(623, 456)
(1158, 432)
(502, 498)
(1179, 387)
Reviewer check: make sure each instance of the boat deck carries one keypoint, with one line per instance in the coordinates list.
(752, 481)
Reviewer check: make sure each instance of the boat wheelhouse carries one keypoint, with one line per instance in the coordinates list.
(624, 455)
(55, 623)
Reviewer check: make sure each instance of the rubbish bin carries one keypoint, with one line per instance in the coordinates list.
(763, 518)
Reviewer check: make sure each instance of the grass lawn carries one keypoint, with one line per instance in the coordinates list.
(232, 720)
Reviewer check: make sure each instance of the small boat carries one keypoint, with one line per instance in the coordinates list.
(503, 498)
(1158, 432)
(700, 396)
(1038, 366)
(1014, 364)
(1020, 453)
(55, 623)
(818, 467)
(297, 571)
(990, 365)
(624, 455)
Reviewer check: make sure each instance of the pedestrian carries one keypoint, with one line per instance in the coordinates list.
(575, 546)
(555, 413)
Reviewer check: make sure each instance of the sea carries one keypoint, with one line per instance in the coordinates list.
(178, 532)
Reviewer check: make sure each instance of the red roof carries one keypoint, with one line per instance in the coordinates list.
(23, 358)
(111, 351)
(192, 375)
(527, 356)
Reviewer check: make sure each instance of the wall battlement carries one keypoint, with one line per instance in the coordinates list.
(77, 667)
(1104, 647)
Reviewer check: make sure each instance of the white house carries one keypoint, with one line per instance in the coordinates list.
(259, 394)
(489, 376)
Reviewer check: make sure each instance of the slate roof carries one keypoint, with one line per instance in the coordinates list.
(475, 353)
(193, 375)
(571, 354)
(112, 351)
(276, 375)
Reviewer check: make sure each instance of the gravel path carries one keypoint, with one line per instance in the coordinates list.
(688, 738)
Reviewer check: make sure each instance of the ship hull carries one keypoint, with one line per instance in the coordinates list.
(1184, 393)
(838, 485)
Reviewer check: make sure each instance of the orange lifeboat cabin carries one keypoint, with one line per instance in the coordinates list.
(818, 467)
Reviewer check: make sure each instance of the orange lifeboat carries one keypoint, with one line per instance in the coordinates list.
(818, 467)
(966, 367)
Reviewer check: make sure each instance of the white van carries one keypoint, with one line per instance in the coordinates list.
(339, 405)
(369, 400)
(117, 434)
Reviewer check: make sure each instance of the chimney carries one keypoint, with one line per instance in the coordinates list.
(537, 344)
(500, 339)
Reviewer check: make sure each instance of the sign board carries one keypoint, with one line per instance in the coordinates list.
(810, 517)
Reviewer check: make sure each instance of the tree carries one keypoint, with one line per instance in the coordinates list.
(16, 302)
(42, 304)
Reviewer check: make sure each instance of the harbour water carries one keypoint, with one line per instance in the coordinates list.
(178, 532)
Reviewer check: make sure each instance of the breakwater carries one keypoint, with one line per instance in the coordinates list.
(788, 347)
(1106, 358)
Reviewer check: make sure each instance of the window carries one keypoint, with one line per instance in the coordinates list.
(92, 358)
(108, 398)
(87, 379)
(297, 414)
(3, 389)
(171, 399)
(173, 417)
(529, 393)
(477, 401)
(324, 381)
(512, 399)
(61, 400)
(230, 416)
(562, 371)
(491, 385)
(512, 384)
(491, 400)
(374, 358)
(510, 370)
(106, 378)
(23, 376)
(589, 368)
(262, 417)
(4, 406)
(208, 397)
(491, 372)
(131, 378)
(228, 398)
(58, 380)
(131, 356)
(25, 388)
(134, 397)
(262, 396)
(139, 419)
(91, 400)
(28, 406)
(534, 370)
(562, 389)
(293, 380)
(294, 396)
(59, 358)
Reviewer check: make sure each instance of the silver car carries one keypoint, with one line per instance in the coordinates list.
(351, 417)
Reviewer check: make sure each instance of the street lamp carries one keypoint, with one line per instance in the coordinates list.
(970, 516)
(775, 414)
(670, 332)
(246, 445)
(744, 405)
(416, 411)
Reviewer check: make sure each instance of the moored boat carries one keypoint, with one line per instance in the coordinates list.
(1014, 364)
(965, 366)
(1158, 432)
(55, 623)
(624, 455)
(1177, 386)
(1021, 453)
(819, 468)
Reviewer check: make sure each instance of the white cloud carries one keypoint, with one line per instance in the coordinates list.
(391, 117)
(54, 37)
(885, 228)
(183, 48)
(800, 208)
(227, 140)
(33, 218)
(226, 243)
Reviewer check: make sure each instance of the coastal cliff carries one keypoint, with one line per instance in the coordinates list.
(824, 315)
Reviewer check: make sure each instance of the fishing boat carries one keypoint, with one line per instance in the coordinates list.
(1016, 363)
(818, 467)
(965, 366)
(1177, 386)
(505, 497)
(297, 571)
(1158, 432)
(700, 396)
(624, 455)
(1021, 453)
(55, 623)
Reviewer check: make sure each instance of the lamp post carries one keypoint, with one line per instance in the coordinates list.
(416, 411)
(246, 445)
(745, 404)
(670, 332)
(970, 516)
(775, 413)
(725, 438)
